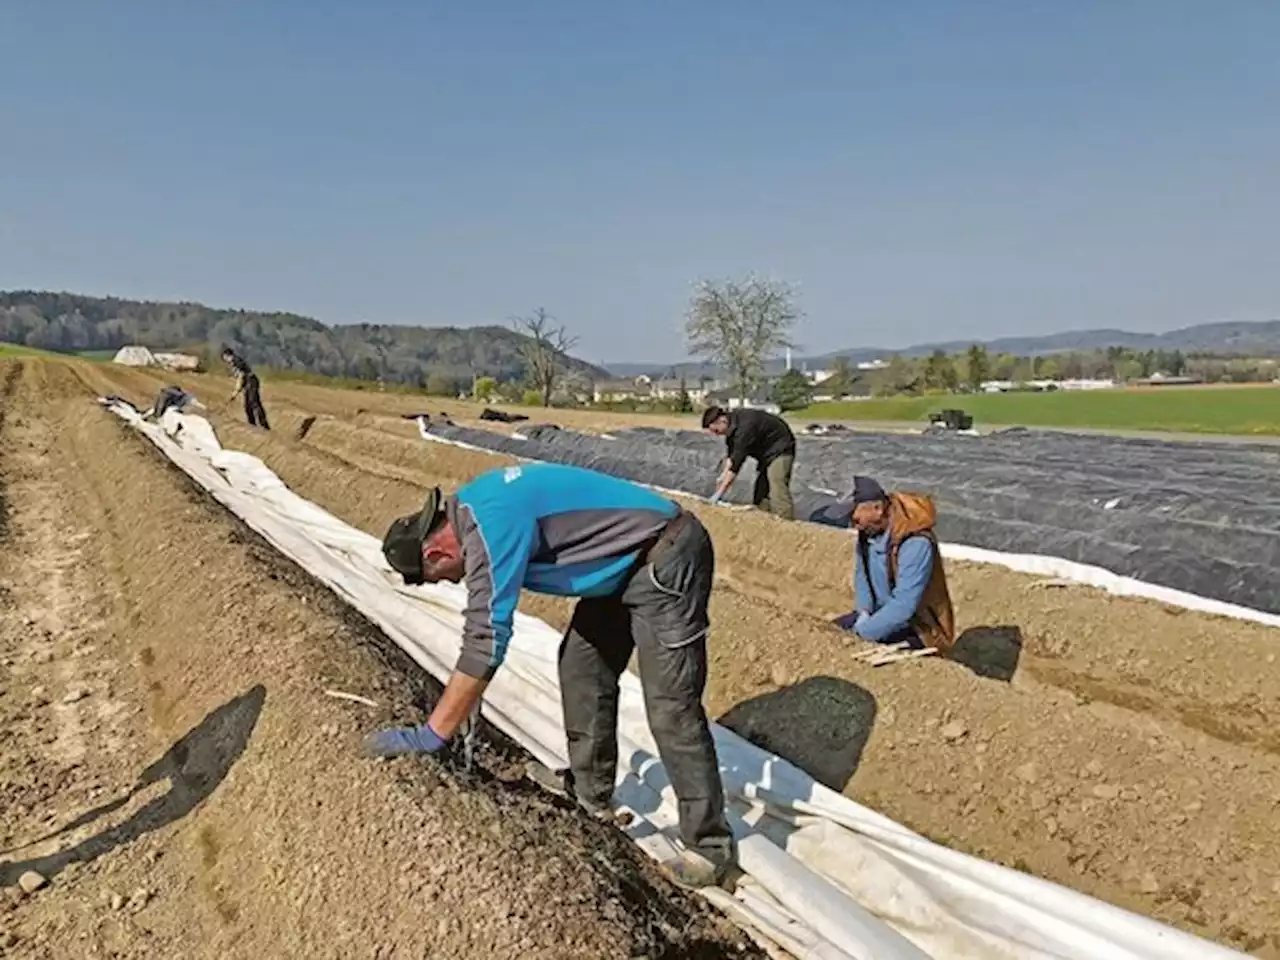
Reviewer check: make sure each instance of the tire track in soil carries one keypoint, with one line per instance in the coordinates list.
(451, 865)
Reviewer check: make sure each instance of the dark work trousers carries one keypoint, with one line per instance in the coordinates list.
(773, 486)
(254, 412)
(662, 615)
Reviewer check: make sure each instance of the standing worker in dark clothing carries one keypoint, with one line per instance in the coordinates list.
(643, 570)
(247, 383)
(769, 441)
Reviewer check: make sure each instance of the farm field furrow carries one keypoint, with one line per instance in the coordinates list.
(171, 765)
(1119, 747)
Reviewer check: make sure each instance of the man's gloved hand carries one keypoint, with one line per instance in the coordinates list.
(847, 622)
(850, 622)
(716, 498)
(399, 740)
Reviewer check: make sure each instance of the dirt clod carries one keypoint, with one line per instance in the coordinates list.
(30, 882)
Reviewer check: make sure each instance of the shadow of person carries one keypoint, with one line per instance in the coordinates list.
(991, 652)
(194, 766)
(820, 724)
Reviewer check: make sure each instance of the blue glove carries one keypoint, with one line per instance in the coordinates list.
(398, 740)
(717, 497)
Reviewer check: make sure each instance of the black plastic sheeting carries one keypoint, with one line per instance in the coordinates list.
(1199, 517)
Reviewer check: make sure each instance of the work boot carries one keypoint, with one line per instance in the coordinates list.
(560, 784)
(695, 871)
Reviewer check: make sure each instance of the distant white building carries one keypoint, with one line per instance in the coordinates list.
(134, 356)
(729, 400)
(873, 364)
(644, 387)
(1004, 386)
(817, 376)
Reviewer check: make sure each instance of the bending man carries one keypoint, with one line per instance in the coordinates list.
(769, 441)
(643, 571)
(899, 584)
(247, 384)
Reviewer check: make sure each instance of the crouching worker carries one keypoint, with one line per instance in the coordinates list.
(765, 438)
(170, 397)
(899, 584)
(643, 570)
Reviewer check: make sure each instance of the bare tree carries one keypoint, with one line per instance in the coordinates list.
(546, 346)
(739, 324)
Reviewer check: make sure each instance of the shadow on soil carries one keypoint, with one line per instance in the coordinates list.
(820, 724)
(194, 766)
(990, 652)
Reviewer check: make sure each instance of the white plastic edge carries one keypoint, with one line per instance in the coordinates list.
(827, 879)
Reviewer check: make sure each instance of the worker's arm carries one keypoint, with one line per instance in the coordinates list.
(727, 476)
(497, 555)
(495, 558)
(915, 562)
(239, 386)
(862, 602)
(460, 696)
(862, 599)
(737, 443)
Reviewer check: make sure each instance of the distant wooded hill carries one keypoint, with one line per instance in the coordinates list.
(1261, 339)
(70, 322)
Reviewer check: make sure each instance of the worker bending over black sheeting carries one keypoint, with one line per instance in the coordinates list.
(768, 440)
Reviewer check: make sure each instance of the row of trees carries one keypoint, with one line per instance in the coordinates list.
(736, 324)
(740, 325)
(942, 372)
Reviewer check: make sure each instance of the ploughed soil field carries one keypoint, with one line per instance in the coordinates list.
(1116, 746)
(171, 766)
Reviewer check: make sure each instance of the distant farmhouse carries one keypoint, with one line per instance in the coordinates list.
(758, 399)
(645, 388)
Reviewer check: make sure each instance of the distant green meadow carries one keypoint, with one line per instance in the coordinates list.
(1201, 409)
(18, 350)
(15, 350)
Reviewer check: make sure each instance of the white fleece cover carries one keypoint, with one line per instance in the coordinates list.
(827, 879)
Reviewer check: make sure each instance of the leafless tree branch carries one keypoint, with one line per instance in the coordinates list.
(546, 346)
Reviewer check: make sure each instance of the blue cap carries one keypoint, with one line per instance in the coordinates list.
(865, 490)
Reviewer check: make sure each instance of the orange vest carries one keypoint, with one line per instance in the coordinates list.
(914, 515)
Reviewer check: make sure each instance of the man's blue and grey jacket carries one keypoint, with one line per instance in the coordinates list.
(548, 528)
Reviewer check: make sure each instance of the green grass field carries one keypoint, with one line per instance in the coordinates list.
(17, 350)
(1227, 410)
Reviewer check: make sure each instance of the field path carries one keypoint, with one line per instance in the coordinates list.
(170, 764)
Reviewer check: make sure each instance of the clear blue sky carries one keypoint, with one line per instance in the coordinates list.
(921, 169)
